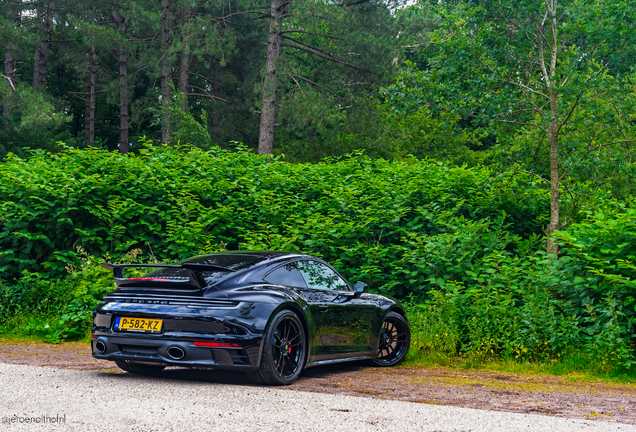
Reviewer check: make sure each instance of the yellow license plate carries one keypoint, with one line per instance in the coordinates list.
(138, 324)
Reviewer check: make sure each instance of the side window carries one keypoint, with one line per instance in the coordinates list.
(319, 276)
(286, 275)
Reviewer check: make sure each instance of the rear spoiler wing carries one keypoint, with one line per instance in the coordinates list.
(195, 279)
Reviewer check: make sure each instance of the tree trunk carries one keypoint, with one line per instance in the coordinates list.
(42, 49)
(89, 113)
(184, 69)
(553, 133)
(216, 115)
(553, 129)
(122, 57)
(278, 11)
(9, 74)
(166, 94)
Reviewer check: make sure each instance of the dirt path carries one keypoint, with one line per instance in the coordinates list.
(548, 395)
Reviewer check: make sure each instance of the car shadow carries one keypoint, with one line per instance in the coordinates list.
(241, 378)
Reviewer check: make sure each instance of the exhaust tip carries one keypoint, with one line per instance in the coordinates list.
(100, 347)
(175, 352)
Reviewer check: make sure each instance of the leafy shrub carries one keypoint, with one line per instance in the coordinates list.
(537, 307)
(364, 215)
(56, 309)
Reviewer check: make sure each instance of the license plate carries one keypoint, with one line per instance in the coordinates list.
(138, 324)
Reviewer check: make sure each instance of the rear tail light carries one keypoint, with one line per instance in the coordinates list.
(218, 344)
(150, 279)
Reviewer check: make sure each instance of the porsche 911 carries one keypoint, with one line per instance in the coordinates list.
(270, 314)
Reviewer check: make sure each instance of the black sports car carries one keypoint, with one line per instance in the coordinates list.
(270, 314)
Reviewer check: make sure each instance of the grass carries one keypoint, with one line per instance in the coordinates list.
(575, 366)
(24, 327)
(14, 339)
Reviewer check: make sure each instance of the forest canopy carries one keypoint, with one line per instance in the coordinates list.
(500, 83)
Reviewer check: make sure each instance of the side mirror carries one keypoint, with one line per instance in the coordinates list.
(359, 287)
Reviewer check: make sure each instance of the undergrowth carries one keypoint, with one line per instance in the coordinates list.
(576, 366)
(55, 310)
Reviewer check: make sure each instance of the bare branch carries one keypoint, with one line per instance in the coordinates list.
(589, 144)
(204, 78)
(611, 144)
(317, 85)
(354, 3)
(10, 81)
(532, 174)
(311, 33)
(537, 108)
(333, 59)
(297, 84)
(209, 96)
(567, 188)
(306, 45)
(530, 89)
(569, 114)
(525, 124)
(257, 12)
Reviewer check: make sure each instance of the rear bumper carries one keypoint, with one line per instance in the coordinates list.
(162, 351)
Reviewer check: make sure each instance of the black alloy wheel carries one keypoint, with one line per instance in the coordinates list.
(139, 368)
(395, 338)
(284, 350)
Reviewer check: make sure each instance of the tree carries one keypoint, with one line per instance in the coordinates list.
(12, 15)
(278, 12)
(91, 72)
(166, 67)
(44, 10)
(537, 68)
(184, 67)
(554, 66)
(122, 22)
(332, 41)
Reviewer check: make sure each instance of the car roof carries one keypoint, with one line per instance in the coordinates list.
(246, 266)
(253, 256)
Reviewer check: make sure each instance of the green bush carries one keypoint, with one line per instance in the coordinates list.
(57, 309)
(536, 307)
(363, 215)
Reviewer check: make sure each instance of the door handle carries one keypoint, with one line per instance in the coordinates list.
(323, 308)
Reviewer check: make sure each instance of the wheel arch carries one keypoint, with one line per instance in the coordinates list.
(303, 320)
(398, 310)
(403, 346)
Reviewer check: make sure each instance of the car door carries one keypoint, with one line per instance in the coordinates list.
(343, 321)
(317, 300)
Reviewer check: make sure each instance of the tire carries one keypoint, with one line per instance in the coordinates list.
(394, 342)
(284, 351)
(139, 368)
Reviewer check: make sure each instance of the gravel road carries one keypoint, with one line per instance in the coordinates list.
(98, 401)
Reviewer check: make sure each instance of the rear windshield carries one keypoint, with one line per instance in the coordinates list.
(233, 262)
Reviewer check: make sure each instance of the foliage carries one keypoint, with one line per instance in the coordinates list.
(465, 242)
(482, 66)
(537, 307)
(357, 212)
(217, 54)
(188, 130)
(54, 310)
